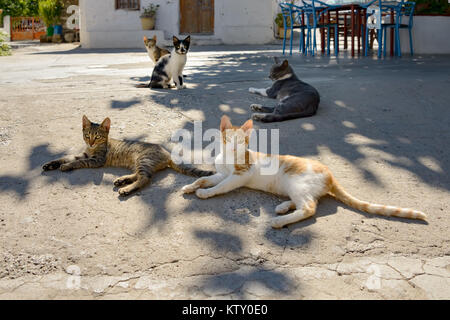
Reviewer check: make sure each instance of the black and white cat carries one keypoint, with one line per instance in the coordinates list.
(170, 67)
(296, 99)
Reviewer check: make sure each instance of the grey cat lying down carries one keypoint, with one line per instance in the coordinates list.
(297, 99)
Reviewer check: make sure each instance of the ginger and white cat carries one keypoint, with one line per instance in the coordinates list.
(302, 180)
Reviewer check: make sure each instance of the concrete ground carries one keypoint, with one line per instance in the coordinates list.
(382, 128)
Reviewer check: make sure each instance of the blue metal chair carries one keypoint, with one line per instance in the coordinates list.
(293, 14)
(314, 10)
(370, 10)
(403, 9)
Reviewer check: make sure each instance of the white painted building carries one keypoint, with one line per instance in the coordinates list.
(103, 25)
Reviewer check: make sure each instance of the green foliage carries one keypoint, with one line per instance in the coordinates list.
(150, 11)
(437, 7)
(279, 21)
(5, 49)
(50, 11)
(20, 8)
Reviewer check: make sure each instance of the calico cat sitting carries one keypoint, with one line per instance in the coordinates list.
(101, 151)
(170, 67)
(302, 180)
(296, 99)
(154, 52)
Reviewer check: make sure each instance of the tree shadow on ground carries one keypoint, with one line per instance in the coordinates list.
(359, 119)
(366, 107)
(245, 283)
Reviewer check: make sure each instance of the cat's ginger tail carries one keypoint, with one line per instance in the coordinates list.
(189, 170)
(340, 194)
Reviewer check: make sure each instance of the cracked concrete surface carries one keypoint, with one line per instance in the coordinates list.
(382, 128)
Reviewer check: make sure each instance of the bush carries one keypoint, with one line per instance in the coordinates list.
(279, 21)
(17, 8)
(432, 7)
(5, 49)
(50, 11)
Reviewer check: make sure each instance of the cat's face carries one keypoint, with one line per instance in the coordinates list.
(235, 138)
(95, 134)
(181, 46)
(150, 43)
(279, 70)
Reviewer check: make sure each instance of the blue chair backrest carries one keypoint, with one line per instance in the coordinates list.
(288, 11)
(406, 10)
(311, 8)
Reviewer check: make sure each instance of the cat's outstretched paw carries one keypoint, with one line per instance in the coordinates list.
(122, 181)
(252, 90)
(278, 223)
(258, 116)
(202, 193)
(190, 188)
(256, 107)
(125, 191)
(284, 207)
(66, 167)
(52, 165)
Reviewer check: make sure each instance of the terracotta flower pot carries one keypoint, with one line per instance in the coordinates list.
(148, 23)
(281, 33)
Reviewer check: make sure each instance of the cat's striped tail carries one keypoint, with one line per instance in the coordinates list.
(189, 170)
(143, 85)
(343, 196)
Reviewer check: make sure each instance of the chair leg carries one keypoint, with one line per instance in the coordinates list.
(300, 42)
(366, 46)
(292, 37)
(328, 41)
(307, 42)
(336, 40)
(411, 42)
(380, 42)
(397, 36)
(284, 41)
(314, 41)
(384, 36)
(345, 32)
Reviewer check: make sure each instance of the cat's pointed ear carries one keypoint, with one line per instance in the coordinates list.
(285, 64)
(154, 37)
(187, 39)
(247, 126)
(86, 122)
(277, 61)
(145, 39)
(106, 124)
(175, 40)
(225, 123)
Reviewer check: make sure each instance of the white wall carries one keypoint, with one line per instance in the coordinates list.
(430, 35)
(235, 22)
(7, 27)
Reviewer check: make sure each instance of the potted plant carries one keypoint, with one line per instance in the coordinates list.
(5, 49)
(148, 16)
(280, 26)
(50, 12)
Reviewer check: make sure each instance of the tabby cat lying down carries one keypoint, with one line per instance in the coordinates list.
(143, 158)
(304, 181)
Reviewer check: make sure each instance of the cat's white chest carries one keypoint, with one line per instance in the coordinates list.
(176, 64)
(221, 165)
